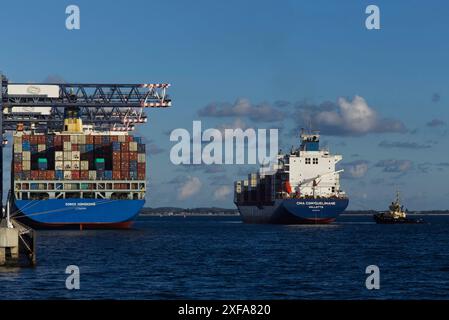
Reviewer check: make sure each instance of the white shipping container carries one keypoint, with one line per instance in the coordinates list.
(40, 147)
(74, 139)
(141, 157)
(26, 155)
(59, 165)
(75, 155)
(84, 165)
(92, 175)
(75, 165)
(67, 175)
(67, 156)
(67, 165)
(26, 165)
(18, 148)
(67, 146)
(133, 146)
(122, 138)
(59, 156)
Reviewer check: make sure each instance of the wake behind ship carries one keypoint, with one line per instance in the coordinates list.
(303, 187)
(77, 178)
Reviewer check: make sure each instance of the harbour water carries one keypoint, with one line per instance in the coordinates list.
(222, 258)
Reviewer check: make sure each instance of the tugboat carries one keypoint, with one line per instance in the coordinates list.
(396, 214)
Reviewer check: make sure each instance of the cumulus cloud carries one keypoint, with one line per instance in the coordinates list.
(243, 108)
(436, 123)
(189, 187)
(394, 166)
(355, 169)
(403, 145)
(222, 192)
(346, 118)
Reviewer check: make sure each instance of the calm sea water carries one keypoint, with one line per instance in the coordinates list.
(221, 258)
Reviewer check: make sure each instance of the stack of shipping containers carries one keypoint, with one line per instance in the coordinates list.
(86, 157)
(256, 189)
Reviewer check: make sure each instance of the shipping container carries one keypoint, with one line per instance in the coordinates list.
(92, 175)
(59, 156)
(67, 175)
(26, 165)
(84, 175)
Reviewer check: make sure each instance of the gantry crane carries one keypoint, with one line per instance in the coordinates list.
(105, 107)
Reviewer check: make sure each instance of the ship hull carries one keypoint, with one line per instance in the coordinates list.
(77, 213)
(294, 211)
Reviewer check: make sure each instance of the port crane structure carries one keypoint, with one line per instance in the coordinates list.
(105, 107)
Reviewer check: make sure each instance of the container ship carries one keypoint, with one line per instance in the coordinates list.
(302, 187)
(77, 178)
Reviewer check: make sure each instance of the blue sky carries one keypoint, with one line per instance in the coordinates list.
(307, 54)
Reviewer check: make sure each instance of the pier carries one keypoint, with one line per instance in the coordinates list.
(17, 244)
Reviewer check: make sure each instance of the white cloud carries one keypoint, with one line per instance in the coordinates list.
(222, 192)
(189, 188)
(355, 169)
(243, 107)
(347, 117)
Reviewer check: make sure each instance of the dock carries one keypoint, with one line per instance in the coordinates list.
(17, 244)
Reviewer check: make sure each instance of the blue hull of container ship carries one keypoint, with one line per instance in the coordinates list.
(294, 211)
(77, 213)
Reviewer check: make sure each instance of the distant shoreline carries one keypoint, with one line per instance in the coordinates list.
(189, 215)
(203, 212)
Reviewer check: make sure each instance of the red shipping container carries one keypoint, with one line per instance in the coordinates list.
(42, 175)
(133, 156)
(124, 175)
(125, 156)
(75, 147)
(26, 137)
(18, 167)
(98, 140)
(141, 167)
(41, 139)
(124, 146)
(84, 175)
(65, 138)
(34, 174)
(33, 140)
(113, 138)
(50, 175)
(89, 139)
(141, 175)
(75, 175)
(115, 155)
(58, 140)
(116, 175)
